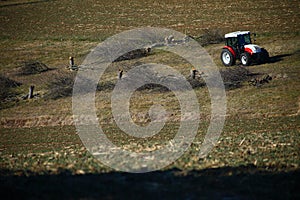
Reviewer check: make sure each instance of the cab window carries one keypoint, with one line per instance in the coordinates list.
(247, 39)
(231, 41)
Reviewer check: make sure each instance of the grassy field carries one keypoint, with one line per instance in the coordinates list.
(41, 156)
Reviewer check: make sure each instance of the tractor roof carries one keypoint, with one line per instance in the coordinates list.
(235, 34)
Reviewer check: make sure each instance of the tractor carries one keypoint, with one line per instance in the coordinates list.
(238, 45)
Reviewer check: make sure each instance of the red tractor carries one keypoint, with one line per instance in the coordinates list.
(238, 46)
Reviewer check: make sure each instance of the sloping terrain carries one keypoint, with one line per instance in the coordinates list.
(41, 154)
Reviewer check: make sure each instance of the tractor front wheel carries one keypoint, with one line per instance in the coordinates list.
(245, 59)
(227, 57)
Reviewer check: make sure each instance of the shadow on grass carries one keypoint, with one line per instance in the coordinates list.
(278, 58)
(244, 182)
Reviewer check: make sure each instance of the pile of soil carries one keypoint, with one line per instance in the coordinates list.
(138, 53)
(7, 82)
(236, 74)
(148, 78)
(210, 36)
(32, 67)
(233, 77)
(60, 87)
(5, 86)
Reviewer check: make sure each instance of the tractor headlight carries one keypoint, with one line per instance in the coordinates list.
(257, 49)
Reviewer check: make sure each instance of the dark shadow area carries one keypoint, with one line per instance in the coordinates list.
(23, 3)
(278, 58)
(244, 182)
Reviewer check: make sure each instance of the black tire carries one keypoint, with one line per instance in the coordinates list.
(245, 59)
(265, 58)
(227, 58)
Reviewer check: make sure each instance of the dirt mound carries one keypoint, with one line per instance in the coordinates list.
(210, 36)
(32, 67)
(7, 82)
(150, 77)
(60, 87)
(138, 53)
(6, 85)
(234, 76)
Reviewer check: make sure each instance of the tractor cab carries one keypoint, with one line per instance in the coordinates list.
(238, 45)
(238, 39)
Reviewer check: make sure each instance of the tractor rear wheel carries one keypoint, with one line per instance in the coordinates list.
(227, 57)
(245, 59)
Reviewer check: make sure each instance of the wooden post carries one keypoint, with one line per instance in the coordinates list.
(71, 62)
(193, 73)
(30, 94)
(120, 73)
